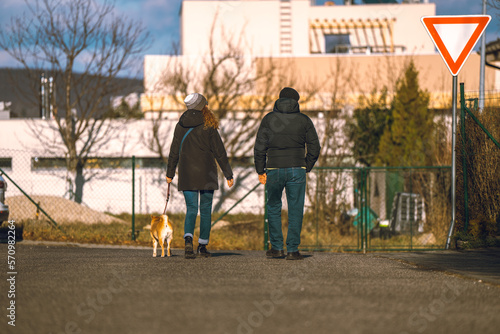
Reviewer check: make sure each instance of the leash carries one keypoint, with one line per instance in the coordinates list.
(168, 197)
(180, 148)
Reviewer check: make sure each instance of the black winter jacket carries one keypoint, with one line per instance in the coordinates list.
(201, 147)
(283, 137)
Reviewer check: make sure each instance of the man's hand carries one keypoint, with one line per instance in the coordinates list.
(230, 183)
(169, 180)
(263, 178)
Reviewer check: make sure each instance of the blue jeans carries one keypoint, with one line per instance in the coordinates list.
(191, 197)
(293, 180)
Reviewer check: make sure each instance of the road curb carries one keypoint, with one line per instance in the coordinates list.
(80, 245)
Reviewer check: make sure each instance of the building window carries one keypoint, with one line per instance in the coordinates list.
(337, 43)
(40, 163)
(6, 163)
(47, 163)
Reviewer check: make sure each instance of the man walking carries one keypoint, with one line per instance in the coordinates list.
(286, 148)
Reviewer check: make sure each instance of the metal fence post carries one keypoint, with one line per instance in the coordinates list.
(316, 217)
(364, 210)
(133, 198)
(266, 221)
(464, 152)
(412, 221)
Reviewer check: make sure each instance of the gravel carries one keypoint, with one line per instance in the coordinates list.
(60, 209)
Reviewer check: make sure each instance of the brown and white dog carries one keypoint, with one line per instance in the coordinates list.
(161, 229)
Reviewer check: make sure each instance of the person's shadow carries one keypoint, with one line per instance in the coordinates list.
(214, 254)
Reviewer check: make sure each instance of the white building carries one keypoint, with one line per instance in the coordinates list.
(37, 165)
(374, 40)
(300, 28)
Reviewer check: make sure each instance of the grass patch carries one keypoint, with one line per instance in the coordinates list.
(235, 232)
(481, 232)
(100, 233)
(244, 232)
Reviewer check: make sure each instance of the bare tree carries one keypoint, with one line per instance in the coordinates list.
(240, 90)
(495, 4)
(327, 194)
(84, 46)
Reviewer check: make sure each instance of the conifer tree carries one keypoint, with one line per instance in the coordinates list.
(407, 138)
(367, 125)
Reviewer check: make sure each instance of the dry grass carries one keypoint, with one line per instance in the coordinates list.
(239, 232)
(99, 233)
(482, 159)
(243, 232)
(236, 232)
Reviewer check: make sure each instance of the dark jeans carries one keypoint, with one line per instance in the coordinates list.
(293, 180)
(191, 197)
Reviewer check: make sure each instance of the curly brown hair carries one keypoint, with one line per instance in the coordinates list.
(209, 119)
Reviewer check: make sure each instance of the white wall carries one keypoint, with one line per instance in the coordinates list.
(109, 189)
(157, 68)
(252, 24)
(121, 138)
(300, 27)
(256, 24)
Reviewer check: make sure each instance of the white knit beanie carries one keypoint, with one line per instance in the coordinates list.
(195, 101)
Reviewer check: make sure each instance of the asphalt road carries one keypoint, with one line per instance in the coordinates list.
(113, 290)
(476, 264)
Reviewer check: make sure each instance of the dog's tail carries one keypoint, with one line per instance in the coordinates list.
(153, 232)
(156, 238)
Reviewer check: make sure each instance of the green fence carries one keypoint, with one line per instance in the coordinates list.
(478, 161)
(41, 188)
(371, 209)
(347, 209)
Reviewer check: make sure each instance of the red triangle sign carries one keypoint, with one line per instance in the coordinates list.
(455, 36)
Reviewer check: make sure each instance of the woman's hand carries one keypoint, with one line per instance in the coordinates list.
(263, 178)
(169, 180)
(230, 183)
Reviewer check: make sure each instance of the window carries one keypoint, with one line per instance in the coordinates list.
(6, 163)
(40, 163)
(48, 163)
(337, 43)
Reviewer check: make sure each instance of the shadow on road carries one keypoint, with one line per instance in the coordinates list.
(480, 264)
(225, 254)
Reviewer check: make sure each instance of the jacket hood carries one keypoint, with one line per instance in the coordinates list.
(286, 105)
(191, 118)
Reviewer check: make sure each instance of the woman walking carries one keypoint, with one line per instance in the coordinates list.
(195, 147)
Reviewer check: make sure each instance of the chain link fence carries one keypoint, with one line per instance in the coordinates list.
(107, 190)
(377, 208)
(478, 165)
(346, 208)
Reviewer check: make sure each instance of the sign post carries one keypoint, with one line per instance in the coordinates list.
(453, 161)
(455, 37)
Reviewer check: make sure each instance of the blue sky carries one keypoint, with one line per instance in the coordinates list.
(161, 18)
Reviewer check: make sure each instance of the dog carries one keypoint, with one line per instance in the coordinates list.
(161, 230)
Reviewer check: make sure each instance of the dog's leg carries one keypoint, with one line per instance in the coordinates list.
(169, 240)
(162, 241)
(154, 247)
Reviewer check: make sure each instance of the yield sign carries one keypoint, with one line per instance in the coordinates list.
(455, 36)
